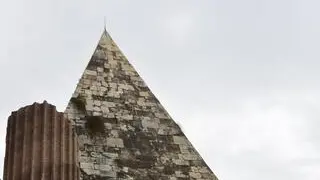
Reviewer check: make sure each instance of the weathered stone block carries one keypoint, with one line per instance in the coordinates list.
(149, 124)
(180, 140)
(114, 142)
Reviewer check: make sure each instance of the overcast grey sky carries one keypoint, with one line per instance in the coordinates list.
(240, 77)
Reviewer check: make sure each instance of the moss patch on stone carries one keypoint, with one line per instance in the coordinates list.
(79, 102)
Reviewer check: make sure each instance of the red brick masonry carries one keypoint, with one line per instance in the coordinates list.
(40, 145)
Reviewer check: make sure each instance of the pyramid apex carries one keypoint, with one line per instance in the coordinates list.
(105, 39)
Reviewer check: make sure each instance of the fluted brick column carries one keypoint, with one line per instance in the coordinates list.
(40, 145)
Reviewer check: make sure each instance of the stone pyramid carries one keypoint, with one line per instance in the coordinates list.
(123, 131)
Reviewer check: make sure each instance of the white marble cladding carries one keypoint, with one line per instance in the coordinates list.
(140, 141)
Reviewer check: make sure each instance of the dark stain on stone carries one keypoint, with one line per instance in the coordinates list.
(134, 163)
(111, 149)
(110, 120)
(168, 170)
(94, 63)
(121, 174)
(103, 98)
(173, 148)
(95, 124)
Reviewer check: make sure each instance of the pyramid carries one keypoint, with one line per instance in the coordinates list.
(123, 130)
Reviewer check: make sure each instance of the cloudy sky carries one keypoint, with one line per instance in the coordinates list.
(240, 77)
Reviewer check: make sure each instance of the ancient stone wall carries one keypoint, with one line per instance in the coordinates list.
(40, 145)
(123, 130)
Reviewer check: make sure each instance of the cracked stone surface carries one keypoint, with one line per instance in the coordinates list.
(140, 139)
